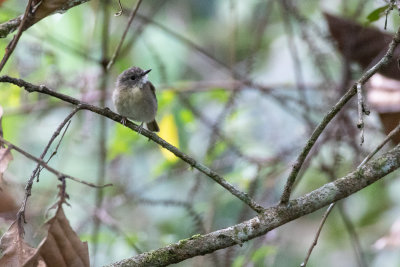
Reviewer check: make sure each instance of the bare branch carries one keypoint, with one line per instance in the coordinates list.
(379, 147)
(314, 243)
(35, 173)
(11, 25)
(131, 17)
(332, 113)
(11, 46)
(106, 112)
(271, 218)
(50, 169)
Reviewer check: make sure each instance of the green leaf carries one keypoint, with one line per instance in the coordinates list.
(377, 13)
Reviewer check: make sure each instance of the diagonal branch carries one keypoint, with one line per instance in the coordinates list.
(106, 112)
(36, 171)
(332, 113)
(11, 46)
(46, 8)
(40, 161)
(116, 52)
(271, 218)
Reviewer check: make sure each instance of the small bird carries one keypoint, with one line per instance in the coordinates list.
(134, 97)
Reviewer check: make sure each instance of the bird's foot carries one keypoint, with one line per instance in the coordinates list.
(124, 120)
(140, 128)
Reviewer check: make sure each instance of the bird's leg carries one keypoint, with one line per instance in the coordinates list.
(140, 128)
(123, 120)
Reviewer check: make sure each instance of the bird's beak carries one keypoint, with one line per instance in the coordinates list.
(145, 72)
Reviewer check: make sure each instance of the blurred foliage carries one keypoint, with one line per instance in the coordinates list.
(200, 52)
(377, 13)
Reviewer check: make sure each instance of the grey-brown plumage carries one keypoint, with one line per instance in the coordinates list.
(134, 97)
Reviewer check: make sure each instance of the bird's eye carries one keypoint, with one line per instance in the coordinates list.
(133, 77)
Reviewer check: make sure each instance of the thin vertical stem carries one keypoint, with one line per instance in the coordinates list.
(103, 121)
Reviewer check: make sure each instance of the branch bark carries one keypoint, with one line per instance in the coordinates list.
(271, 218)
(106, 112)
(43, 10)
(332, 113)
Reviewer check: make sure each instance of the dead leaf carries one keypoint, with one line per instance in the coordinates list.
(364, 45)
(44, 8)
(5, 158)
(14, 249)
(62, 246)
(1, 126)
(5, 154)
(383, 95)
(8, 206)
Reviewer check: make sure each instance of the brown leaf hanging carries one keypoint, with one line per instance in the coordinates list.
(48, 7)
(62, 246)
(8, 207)
(14, 249)
(364, 45)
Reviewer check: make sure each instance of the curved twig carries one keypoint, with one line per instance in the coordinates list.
(271, 218)
(117, 118)
(332, 113)
(50, 169)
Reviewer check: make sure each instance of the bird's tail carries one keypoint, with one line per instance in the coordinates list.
(153, 126)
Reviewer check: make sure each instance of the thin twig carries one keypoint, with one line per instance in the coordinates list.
(63, 190)
(271, 218)
(119, 13)
(131, 17)
(191, 44)
(387, 11)
(314, 243)
(102, 139)
(106, 112)
(55, 150)
(332, 113)
(331, 172)
(360, 101)
(35, 173)
(297, 63)
(390, 135)
(50, 169)
(11, 46)
(11, 25)
(358, 251)
(61, 138)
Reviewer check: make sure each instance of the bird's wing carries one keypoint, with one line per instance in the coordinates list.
(153, 89)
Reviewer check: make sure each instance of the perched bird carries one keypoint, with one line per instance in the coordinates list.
(134, 97)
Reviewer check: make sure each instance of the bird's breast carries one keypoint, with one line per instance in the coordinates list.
(134, 103)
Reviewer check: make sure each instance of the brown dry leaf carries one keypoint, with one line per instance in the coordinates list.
(5, 158)
(14, 249)
(364, 45)
(8, 206)
(384, 96)
(48, 7)
(5, 154)
(62, 246)
(1, 126)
